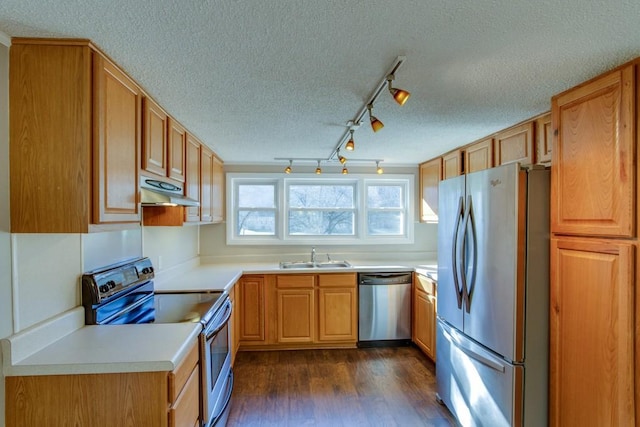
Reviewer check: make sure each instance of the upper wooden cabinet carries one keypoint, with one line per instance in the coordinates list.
(479, 156)
(593, 169)
(177, 151)
(515, 145)
(544, 139)
(592, 331)
(75, 136)
(217, 201)
(430, 177)
(193, 181)
(452, 164)
(206, 185)
(154, 132)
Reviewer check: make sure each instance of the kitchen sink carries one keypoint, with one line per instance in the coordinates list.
(308, 264)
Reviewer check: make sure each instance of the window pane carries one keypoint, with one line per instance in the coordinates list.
(256, 196)
(321, 223)
(384, 196)
(321, 196)
(385, 223)
(252, 223)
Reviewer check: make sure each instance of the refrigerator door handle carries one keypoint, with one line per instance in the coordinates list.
(454, 251)
(470, 224)
(482, 357)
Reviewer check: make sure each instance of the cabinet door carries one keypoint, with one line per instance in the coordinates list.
(515, 145)
(479, 156)
(592, 333)
(206, 185)
(593, 169)
(217, 205)
(295, 314)
(424, 315)
(177, 150)
(154, 134)
(430, 176)
(337, 317)
(192, 184)
(251, 308)
(452, 164)
(544, 138)
(185, 411)
(117, 140)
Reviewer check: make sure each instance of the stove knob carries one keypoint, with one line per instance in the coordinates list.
(147, 270)
(104, 288)
(111, 284)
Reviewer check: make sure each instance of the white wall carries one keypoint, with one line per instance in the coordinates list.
(170, 246)
(6, 309)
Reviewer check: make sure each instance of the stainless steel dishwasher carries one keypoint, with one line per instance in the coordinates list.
(384, 309)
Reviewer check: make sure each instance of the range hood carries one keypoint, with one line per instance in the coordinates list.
(154, 192)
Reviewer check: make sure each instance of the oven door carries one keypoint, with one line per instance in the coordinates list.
(217, 378)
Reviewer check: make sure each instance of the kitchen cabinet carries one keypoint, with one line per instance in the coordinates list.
(206, 185)
(515, 145)
(233, 325)
(593, 168)
(251, 310)
(544, 139)
(163, 399)
(154, 134)
(75, 168)
(430, 176)
(217, 202)
(177, 146)
(592, 333)
(424, 314)
(593, 321)
(452, 164)
(295, 308)
(478, 156)
(337, 307)
(192, 176)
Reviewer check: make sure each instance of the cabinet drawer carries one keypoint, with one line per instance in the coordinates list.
(338, 280)
(295, 281)
(424, 284)
(181, 374)
(186, 410)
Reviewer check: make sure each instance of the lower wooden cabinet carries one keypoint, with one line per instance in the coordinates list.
(297, 310)
(424, 314)
(592, 333)
(234, 323)
(132, 399)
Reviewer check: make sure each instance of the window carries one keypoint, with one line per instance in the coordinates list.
(274, 209)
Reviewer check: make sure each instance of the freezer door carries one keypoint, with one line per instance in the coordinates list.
(479, 388)
(495, 316)
(450, 209)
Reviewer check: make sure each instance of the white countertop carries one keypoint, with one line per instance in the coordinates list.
(110, 349)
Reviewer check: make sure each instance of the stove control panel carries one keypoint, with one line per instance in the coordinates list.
(104, 283)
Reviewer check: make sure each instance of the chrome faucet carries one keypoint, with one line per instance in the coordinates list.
(313, 254)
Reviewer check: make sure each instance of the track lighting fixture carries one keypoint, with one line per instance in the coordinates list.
(379, 169)
(288, 168)
(400, 95)
(376, 124)
(350, 144)
(342, 159)
(318, 170)
(345, 170)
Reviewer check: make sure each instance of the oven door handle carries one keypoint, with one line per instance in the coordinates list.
(217, 326)
(226, 401)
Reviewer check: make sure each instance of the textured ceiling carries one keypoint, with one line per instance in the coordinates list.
(280, 78)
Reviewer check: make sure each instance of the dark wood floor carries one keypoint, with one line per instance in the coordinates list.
(359, 387)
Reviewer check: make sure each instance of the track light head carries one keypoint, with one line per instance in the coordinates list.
(342, 159)
(288, 168)
(379, 169)
(400, 95)
(350, 144)
(376, 124)
(318, 170)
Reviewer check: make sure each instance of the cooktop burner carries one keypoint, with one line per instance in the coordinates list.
(186, 307)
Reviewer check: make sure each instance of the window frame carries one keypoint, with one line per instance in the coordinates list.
(282, 183)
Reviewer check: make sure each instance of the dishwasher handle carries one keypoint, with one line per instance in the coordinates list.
(384, 279)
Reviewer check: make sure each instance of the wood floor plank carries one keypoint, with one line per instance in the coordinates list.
(352, 387)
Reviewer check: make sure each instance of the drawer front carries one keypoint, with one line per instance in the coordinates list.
(337, 280)
(186, 409)
(295, 281)
(424, 284)
(181, 374)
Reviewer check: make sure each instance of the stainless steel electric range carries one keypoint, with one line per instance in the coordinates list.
(124, 293)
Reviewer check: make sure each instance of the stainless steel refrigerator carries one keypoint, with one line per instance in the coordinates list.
(493, 297)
